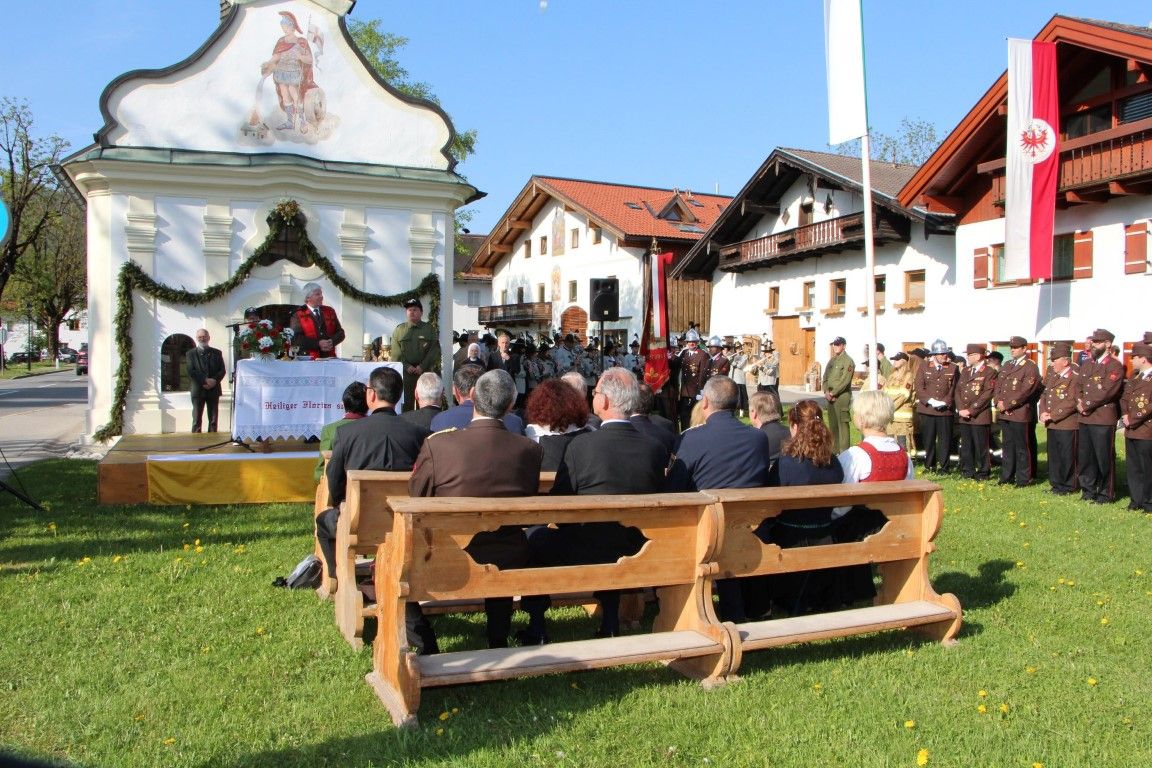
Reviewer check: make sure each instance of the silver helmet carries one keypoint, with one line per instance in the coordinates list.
(939, 347)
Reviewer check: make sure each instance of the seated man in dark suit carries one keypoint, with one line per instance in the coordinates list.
(721, 453)
(460, 416)
(651, 424)
(384, 441)
(355, 401)
(429, 392)
(485, 459)
(616, 458)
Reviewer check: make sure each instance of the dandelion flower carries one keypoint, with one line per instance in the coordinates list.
(1003, 709)
(444, 716)
(1030, 670)
(184, 526)
(1092, 681)
(982, 709)
(455, 710)
(1104, 621)
(922, 758)
(983, 694)
(1071, 583)
(817, 687)
(1037, 765)
(439, 731)
(169, 741)
(117, 558)
(909, 724)
(197, 542)
(259, 630)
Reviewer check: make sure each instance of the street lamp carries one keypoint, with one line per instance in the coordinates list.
(28, 306)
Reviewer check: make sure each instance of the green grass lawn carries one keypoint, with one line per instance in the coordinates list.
(20, 370)
(150, 636)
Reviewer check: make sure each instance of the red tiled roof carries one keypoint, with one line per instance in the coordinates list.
(609, 203)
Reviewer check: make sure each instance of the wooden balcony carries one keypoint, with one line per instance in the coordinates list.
(1095, 168)
(829, 236)
(539, 312)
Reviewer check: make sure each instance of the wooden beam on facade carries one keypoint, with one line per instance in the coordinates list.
(500, 248)
(519, 224)
(1082, 197)
(747, 206)
(946, 203)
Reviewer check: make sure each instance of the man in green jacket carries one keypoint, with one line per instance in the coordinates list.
(416, 346)
(838, 392)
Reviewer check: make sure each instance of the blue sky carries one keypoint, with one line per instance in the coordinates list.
(664, 93)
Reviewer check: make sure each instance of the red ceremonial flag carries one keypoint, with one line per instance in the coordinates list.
(654, 341)
(1032, 159)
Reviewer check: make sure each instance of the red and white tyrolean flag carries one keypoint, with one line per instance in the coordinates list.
(654, 341)
(1032, 159)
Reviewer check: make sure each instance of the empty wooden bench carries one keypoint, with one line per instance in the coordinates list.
(365, 521)
(899, 550)
(424, 559)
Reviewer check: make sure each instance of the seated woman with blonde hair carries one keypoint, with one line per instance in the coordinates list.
(879, 456)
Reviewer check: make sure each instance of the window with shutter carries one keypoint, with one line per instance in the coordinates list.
(1082, 256)
(980, 268)
(1136, 248)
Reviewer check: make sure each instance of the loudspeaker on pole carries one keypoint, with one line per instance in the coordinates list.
(605, 303)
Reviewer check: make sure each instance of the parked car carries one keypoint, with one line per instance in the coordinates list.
(82, 362)
(67, 355)
(19, 357)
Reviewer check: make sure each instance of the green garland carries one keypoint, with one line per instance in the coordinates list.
(285, 214)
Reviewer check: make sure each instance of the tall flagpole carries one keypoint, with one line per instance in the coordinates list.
(869, 260)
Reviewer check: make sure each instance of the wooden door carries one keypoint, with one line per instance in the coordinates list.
(797, 348)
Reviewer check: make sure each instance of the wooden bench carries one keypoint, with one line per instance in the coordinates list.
(899, 550)
(365, 522)
(424, 559)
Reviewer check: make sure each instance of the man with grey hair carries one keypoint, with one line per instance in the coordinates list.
(429, 393)
(464, 380)
(615, 459)
(315, 327)
(484, 460)
(575, 379)
(721, 453)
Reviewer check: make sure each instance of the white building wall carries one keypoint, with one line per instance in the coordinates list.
(581, 264)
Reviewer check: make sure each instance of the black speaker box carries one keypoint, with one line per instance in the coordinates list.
(605, 293)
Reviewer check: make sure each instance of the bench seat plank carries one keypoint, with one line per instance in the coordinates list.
(854, 621)
(502, 663)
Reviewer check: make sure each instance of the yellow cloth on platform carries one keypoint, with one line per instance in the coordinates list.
(231, 478)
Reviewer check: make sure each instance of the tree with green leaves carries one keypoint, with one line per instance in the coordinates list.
(27, 184)
(380, 49)
(52, 274)
(912, 144)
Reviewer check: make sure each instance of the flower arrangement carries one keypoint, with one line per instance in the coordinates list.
(264, 340)
(287, 210)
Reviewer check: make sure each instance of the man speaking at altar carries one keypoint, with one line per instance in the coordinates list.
(315, 326)
(415, 346)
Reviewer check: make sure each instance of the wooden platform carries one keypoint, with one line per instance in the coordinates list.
(122, 476)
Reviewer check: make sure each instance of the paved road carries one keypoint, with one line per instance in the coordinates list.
(40, 417)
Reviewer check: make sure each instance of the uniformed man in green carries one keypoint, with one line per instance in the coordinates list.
(838, 392)
(416, 347)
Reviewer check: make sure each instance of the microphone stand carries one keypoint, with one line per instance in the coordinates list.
(233, 440)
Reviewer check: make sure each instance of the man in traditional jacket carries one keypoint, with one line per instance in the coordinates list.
(316, 329)
(974, 409)
(935, 389)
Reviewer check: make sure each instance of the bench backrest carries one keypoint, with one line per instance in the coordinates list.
(680, 528)
(912, 507)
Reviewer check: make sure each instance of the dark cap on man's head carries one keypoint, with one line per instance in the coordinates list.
(1103, 334)
(1061, 349)
(413, 303)
(1148, 337)
(976, 349)
(1143, 350)
(1017, 341)
(899, 356)
(838, 341)
(250, 311)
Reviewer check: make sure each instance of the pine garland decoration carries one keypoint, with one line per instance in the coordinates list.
(286, 214)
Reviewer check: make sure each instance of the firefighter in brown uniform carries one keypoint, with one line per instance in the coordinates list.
(1136, 407)
(935, 402)
(974, 414)
(694, 369)
(1017, 388)
(1059, 416)
(1098, 401)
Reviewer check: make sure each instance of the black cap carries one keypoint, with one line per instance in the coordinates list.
(251, 311)
(899, 356)
(838, 341)
(413, 303)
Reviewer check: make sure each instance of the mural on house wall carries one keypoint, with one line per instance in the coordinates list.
(299, 111)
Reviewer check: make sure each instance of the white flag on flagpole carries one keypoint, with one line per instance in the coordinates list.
(844, 57)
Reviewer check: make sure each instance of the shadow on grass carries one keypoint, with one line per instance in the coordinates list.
(74, 526)
(984, 590)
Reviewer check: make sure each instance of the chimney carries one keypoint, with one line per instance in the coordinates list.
(225, 7)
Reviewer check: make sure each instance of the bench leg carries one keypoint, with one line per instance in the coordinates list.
(944, 632)
(689, 606)
(402, 715)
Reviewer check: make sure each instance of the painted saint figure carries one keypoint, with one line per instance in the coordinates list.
(291, 70)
